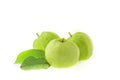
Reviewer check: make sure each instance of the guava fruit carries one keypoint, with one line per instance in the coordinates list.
(43, 39)
(61, 53)
(84, 42)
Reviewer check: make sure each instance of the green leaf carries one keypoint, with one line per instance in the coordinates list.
(34, 63)
(31, 52)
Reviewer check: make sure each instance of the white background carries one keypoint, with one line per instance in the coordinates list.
(100, 19)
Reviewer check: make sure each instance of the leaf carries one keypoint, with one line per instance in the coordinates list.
(34, 63)
(31, 52)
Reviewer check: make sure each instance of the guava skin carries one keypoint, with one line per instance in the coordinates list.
(84, 43)
(61, 54)
(43, 39)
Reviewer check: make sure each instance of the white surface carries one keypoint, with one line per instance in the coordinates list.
(21, 19)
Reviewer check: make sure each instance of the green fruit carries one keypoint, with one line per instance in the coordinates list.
(32, 52)
(84, 43)
(61, 53)
(43, 39)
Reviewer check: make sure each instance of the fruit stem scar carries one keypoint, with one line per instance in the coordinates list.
(62, 40)
(37, 34)
(70, 34)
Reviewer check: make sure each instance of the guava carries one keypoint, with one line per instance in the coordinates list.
(84, 42)
(43, 39)
(61, 53)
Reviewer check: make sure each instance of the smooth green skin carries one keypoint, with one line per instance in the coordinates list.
(84, 43)
(43, 39)
(61, 54)
(32, 52)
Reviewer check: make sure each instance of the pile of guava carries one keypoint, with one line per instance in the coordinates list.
(51, 50)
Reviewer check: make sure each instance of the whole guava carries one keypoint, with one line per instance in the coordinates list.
(43, 39)
(84, 42)
(61, 53)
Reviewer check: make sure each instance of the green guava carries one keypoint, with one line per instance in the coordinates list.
(61, 53)
(43, 39)
(84, 43)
